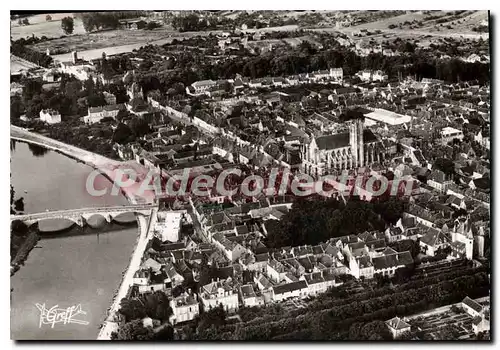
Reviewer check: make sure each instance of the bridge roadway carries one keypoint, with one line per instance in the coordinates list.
(81, 216)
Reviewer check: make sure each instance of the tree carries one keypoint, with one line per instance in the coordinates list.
(19, 228)
(166, 333)
(26, 22)
(48, 18)
(123, 134)
(215, 317)
(16, 108)
(132, 309)
(139, 127)
(152, 25)
(376, 330)
(446, 165)
(67, 25)
(134, 330)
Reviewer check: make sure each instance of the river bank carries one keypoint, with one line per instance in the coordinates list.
(22, 254)
(106, 166)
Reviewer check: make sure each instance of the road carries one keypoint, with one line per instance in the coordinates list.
(48, 214)
(146, 227)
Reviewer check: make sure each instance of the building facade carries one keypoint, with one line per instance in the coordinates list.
(50, 116)
(346, 150)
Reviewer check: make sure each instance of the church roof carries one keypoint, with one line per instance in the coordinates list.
(342, 140)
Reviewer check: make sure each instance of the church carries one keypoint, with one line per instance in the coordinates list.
(355, 148)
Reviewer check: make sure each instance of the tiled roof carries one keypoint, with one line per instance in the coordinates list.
(289, 287)
(342, 140)
(434, 237)
(393, 260)
(247, 291)
(472, 304)
(397, 323)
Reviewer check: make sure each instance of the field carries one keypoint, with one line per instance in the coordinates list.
(40, 27)
(427, 31)
(17, 64)
(92, 45)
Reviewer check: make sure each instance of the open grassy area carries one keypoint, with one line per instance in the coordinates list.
(18, 64)
(40, 27)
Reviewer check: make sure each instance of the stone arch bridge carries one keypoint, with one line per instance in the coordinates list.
(80, 216)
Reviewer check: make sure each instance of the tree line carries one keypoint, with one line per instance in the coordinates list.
(312, 222)
(18, 48)
(357, 317)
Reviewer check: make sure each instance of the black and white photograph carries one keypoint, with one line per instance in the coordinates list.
(250, 175)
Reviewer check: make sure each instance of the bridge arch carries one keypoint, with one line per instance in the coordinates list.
(81, 216)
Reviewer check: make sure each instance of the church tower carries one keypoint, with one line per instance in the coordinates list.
(353, 141)
(361, 144)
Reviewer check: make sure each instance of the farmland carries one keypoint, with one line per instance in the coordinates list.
(18, 64)
(39, 26)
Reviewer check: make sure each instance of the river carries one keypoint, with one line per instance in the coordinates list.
(74, 267)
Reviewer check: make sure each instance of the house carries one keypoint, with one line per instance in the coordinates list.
(258, 263)
(152, 264)
(262, 282)
(290, 290)
(462, 239)
(276, 271)
(472, 307)
(361, 267)
(482, 140)
(390, 261)
(125, 152)
(394, 234)
(141, 277)
(448, 134)
(232, 250)
(397, 327)
(110, 98)
(480, 324)
(147, 322)
(203, 85)
(437, 180)
(432, 241)
(481, 184)
(255, 83)
(80, 71)
(368, 75)
(248, 296)
(184, 308)
(318, 282)
(96, 114)
(220, 292)
(168, 226)
(49, 76)
(50, 116)
(379, 76)
(172, 276)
